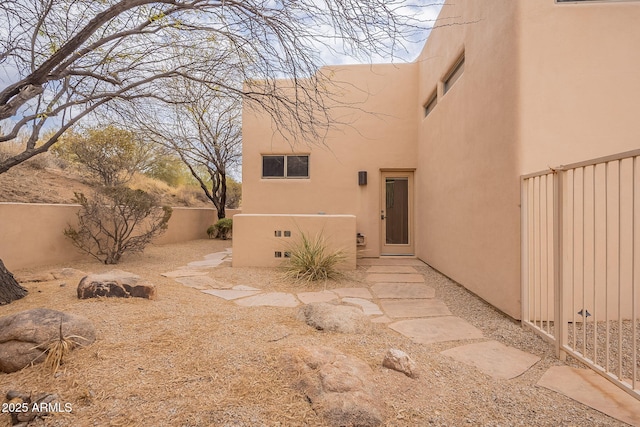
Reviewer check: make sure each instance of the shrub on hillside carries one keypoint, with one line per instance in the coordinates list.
(112, 154)
(115, 221)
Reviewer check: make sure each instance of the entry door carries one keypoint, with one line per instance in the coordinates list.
(396, 213)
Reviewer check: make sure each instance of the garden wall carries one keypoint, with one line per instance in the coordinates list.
(264, 240)
(31, 234)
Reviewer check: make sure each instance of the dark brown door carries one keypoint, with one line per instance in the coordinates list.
(396, 213)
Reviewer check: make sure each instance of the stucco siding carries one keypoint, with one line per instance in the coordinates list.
(468, 187)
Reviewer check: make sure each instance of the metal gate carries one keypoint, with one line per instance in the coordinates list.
(580, 263)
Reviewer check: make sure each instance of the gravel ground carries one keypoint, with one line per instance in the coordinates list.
(189, 359)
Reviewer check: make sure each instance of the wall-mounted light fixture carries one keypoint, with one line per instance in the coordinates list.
(362, 178)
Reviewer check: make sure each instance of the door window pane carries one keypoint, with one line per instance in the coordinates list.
(397, 216)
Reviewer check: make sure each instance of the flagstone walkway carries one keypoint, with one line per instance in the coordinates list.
(398, 296)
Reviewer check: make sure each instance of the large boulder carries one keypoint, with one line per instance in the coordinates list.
(330, 317)
(25, 336)
(115, 283)
(339, 387)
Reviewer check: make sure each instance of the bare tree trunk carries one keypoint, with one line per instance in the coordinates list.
(223, 196)
(10, 289)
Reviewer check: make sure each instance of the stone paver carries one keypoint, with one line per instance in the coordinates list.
(271, 299)
(402, 290)
(494, 359)
(391, 269)
(589, 388)
(381, 319)
(207, 263)
(353, 292)
(184, 272)
(201, 282)
(436, 329)
(395, 278)
(231, 294)
(414, 308)
(311, 297)
(368, 308)
(391, 261)
(245, 288)
(217, 256)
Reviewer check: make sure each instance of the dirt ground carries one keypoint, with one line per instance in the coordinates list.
(191, 359)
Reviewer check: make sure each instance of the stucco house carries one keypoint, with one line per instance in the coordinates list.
(501, 89)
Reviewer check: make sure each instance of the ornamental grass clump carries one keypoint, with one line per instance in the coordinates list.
(58, 350)
(310, 259)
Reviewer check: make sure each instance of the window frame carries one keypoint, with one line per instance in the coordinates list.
(431, 103)
(590, 1)
(285, 174)
(454, 74)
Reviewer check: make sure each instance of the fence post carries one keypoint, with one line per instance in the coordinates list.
(559, 321)
(524, 251)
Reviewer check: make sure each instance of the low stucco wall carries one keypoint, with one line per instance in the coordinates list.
(32, 234)
(256, 240)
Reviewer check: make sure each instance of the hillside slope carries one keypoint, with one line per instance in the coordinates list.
(35, 182)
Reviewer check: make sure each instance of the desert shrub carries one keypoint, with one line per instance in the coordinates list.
(170, 169)
(234, 194)
(111, 154)
(115, 221)
(310, 259)
(221, 229)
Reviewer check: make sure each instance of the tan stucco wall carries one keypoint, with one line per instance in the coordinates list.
(381, 134)
(580, 84)
(544, 84)
(255, 241)
(31, 234)
(468, 189)
(190, 224)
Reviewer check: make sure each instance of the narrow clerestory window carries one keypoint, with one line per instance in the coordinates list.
(454, 74)
(431, 103)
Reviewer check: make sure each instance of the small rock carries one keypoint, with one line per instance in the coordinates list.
(24, 336)
(115, 283)
(330, 317)
(399, 361)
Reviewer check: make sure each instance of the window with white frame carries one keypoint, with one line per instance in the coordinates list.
(285, 166)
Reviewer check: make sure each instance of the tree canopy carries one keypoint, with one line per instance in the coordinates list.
(62, 60)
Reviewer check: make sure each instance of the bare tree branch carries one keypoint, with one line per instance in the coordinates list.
(66, 59)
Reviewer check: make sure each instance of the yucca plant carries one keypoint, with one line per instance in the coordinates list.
(58, 350)
(310, 259)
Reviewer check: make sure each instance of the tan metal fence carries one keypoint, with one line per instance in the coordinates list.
(580, 263)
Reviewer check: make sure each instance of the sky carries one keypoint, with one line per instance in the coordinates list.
(426, 13)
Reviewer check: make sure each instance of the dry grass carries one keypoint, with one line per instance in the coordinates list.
(175, 196)
(57, 351)
(189, 359)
